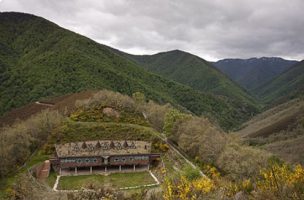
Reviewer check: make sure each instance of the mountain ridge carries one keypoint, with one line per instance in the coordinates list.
(193, 71)
(253, 72)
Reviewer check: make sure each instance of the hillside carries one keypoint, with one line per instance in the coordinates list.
(39, 59)
(254, 72)
(279, 130)
(195, 72)
(65, 103)
(287, 85)
(90, 120)
(193, 152)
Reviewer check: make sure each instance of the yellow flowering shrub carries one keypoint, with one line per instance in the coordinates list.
(282, 180)
(247, 186)
(161, 146)
(203, 184)
(184, 189)
(298, 174)
(211, 171)
(168, 190)
(231, 189)
(163, 171)
(278, 181)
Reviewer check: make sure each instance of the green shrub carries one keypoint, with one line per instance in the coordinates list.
(190, 173)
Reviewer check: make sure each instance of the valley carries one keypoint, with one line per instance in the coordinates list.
(83, 120)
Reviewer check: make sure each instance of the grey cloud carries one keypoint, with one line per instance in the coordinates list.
(212, 29)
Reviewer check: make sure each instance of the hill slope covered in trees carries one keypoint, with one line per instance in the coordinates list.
(38, 59)
(287, 85)
(195, 72)
(253, 72)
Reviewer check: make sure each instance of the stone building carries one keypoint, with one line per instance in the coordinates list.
(114, 155)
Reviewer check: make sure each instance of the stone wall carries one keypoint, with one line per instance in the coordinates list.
(42, 170)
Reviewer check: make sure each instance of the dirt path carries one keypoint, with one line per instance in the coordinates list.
(56, 183)
(44, 104)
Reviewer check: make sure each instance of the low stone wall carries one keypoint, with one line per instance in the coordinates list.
(42, 170)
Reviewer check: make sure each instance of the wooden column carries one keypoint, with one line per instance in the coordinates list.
(134, 168)
(105, 168)
(60, 171)
(75, 170)
(120, 168)
(91, 170)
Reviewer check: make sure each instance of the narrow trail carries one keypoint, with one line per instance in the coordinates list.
(44, 104)
(56, 183)
(188, 161)
(181, 155)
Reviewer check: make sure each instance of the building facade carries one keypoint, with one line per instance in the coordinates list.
(105, 154)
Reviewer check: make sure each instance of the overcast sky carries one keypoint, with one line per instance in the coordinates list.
(212, 29)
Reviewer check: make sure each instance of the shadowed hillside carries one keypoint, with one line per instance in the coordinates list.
(287, 85)
(39, 59)
(254, 72)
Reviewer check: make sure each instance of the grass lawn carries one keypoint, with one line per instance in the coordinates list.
(117, 180)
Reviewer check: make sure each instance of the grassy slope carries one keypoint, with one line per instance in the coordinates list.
(279, 130)
(81, 131)
(195, 72)
(286, 86)
(39, 59)
(291, 150)
(273, 120)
